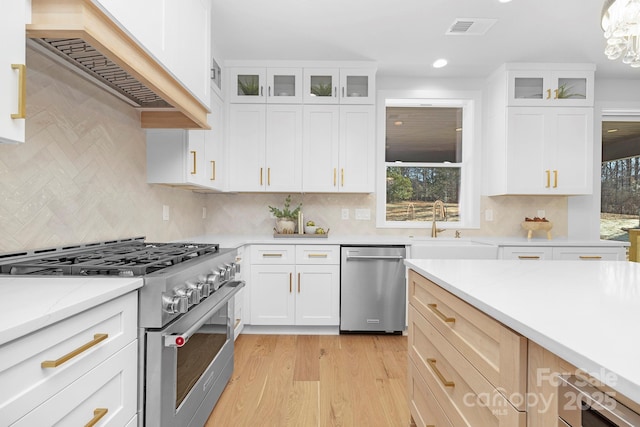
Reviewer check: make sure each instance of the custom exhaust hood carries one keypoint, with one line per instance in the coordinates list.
(79, 34)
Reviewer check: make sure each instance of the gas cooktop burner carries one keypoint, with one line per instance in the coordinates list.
(129, 257)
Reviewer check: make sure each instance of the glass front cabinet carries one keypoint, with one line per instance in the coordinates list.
(573, 87)
(339, 86)
(265, 85)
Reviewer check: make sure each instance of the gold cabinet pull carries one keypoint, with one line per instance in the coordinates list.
(213, 170)
(441, 315)
(342, 177)
(268, 176)
(548, 93)
(260, 176)
(528, 257)
(55, 363)
(22, 91)
(555, 91)
(334, 176)
(443, 380)
(298, 282)
(271, 255)
(548, 172)
(193, 170)
(98, 413)
(555, 179)
(290, 282)
(317, 255)
(590, 257)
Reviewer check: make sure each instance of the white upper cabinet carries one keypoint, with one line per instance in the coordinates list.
(568, 85)
(265, 85)
(13, 74)
(339, 86)
(176, 33)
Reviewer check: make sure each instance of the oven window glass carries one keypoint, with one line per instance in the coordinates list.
(591, 418)
(197, 354)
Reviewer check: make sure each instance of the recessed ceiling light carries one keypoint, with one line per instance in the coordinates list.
(398, 123)
(612, 130)
(439, 63)
(504, 1)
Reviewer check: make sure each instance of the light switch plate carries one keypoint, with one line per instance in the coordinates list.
(363, 214)
(345, 213)
(488, 215)
(165, 212)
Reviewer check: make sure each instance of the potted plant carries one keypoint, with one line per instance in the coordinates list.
(286, 218)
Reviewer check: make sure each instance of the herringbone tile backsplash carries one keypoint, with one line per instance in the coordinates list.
(81, 175)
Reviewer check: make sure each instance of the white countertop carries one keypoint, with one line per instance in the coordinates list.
(588, 313)
(31, 303)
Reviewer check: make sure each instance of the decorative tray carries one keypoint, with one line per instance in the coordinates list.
(301, 236)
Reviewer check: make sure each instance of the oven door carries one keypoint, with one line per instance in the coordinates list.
(189, 362)
(582, 405)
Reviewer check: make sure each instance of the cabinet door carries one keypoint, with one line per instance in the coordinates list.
(357, 148)
(213, 145)
(533, 253)
(318, 295)
(284, 148)
(550, 88)
(525, 158)
(284, 85)
(272, 295)
(13, 72)
(246, 85)
(246, 147)
(357, 86)
(589, 253)
(320, 148)
(321, 85)
(176, 156)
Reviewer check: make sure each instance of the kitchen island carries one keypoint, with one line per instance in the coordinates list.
(585, 313)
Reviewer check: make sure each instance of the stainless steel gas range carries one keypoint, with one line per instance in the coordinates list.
(185, 316)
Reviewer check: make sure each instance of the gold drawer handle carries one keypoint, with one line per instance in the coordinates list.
(290, 281)
(432, 363)
(271, 255)
(298, 282)
(590, 257)
(55, 363)
(193, 170)
(441, 315)
(22, 91)
(213, 170)
(528, 257)
(318, 255)
(98, 413)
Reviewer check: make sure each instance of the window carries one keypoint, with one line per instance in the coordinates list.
(427, 156)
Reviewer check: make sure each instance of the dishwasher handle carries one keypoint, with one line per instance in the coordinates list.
(375, 257)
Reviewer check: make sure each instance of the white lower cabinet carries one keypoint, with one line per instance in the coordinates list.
(74, 370)
(295, 285)
(585, 253)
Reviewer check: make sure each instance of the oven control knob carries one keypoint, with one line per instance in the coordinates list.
(231, 268)
(196, 292)
(224, 275)
(175, 304)
(190, 294)
(213, 280)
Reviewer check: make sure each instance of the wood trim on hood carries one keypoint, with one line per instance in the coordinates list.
(82, 19)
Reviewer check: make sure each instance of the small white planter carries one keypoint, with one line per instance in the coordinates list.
(285, 226)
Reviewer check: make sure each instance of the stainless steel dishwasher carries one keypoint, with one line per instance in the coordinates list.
(372, 289)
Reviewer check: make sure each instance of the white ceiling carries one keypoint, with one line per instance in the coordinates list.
(404, 37)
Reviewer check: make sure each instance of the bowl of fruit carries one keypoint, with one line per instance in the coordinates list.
(537, 224)
(310, 227)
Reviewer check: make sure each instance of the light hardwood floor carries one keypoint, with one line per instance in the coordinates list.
(316, 381)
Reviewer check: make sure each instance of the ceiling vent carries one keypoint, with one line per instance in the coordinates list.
(470, 26)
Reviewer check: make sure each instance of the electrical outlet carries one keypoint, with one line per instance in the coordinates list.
(488, 215)
(345, 213)
(204, 212)
(540, 213)
(363, 214)
(165, 212)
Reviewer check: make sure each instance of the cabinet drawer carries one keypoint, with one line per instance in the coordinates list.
(527, 253)
(273, 254)
(495, 350)
(464, 394)
(424, 408)
(589, 254)
(21, 360)
(318, 254)
(111, 385)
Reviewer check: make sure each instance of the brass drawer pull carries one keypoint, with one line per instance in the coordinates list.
(443, 380)
(271, 255)
(213, 170)
(590, 257)
(22, 91)
(441, 315)
(55, 363)
(298, 282)
(318, 255)
(528, 257)
(290, 282)
(193, 170)
(98, 413)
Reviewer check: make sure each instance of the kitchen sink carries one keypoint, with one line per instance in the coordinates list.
(452, 248)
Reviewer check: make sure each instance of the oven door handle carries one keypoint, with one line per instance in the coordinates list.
(178, 340)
